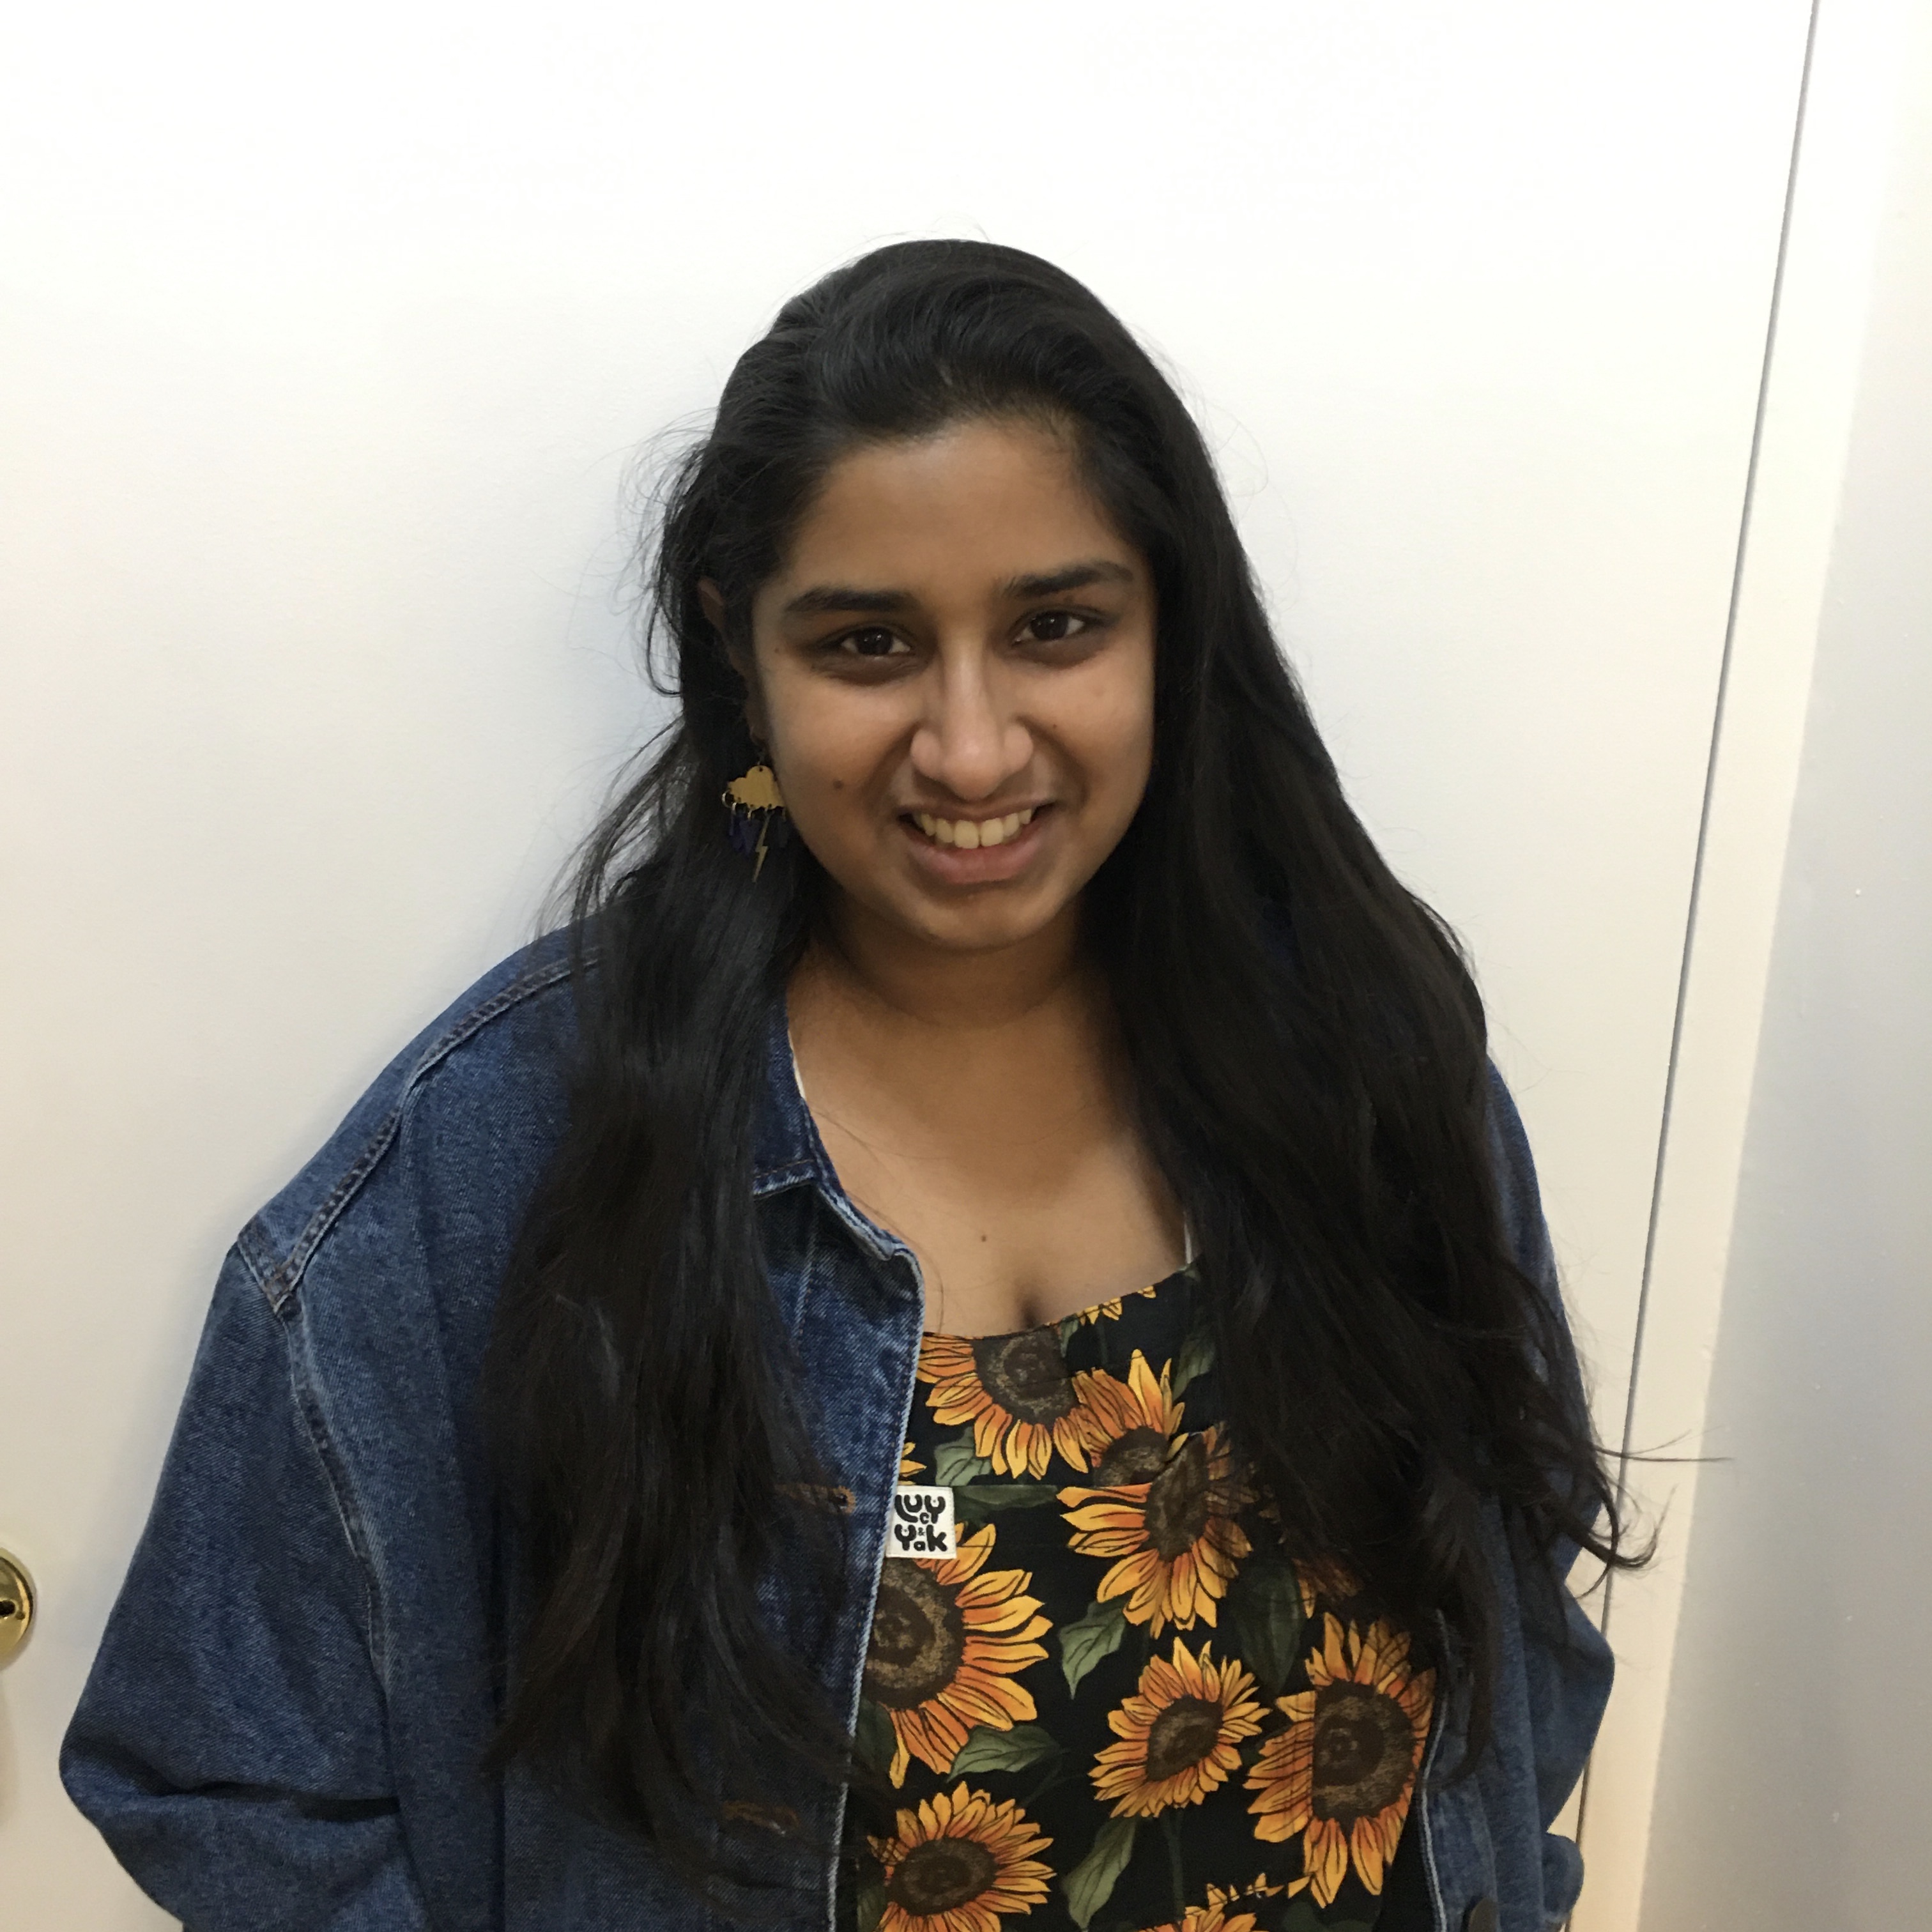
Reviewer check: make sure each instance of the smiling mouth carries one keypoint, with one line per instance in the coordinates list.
(971, 835)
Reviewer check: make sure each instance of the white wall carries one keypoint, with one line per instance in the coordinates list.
(1793, 1782)
(326, 336)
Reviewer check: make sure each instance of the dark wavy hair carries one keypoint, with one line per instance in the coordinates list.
(1306, 1054)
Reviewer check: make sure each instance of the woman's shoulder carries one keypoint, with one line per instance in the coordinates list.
(1518, 1195)
(448, 1141)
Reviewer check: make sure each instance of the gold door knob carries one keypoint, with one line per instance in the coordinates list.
(16, 1605)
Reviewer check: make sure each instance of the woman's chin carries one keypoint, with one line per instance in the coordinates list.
(991, 919)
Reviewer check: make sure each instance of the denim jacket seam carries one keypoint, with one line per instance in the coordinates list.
(775, 1180)
(1437, 1908)
(281, 1282)
(257, 1255)
(305, 1399)
(308, 1418)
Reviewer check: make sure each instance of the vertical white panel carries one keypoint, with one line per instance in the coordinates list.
(1837, 198)
(1792, 1779)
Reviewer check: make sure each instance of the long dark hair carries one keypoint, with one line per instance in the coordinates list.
(1306, 1052)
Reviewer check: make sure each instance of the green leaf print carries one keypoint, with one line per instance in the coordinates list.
(976, 1503)
(873, 1745)
(1197, 1358)
(1068, 1328)
(955, 1463)
(1090, 1883)
(988, 1750)
(1083, 1643)
(869, 1908)
(1266, 1599)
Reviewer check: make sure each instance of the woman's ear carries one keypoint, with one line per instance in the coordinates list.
(741, 661)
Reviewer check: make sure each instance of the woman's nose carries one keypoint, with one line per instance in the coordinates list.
(969, 740)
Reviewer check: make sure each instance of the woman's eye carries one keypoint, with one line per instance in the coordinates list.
(874, 641)
(1051, 627)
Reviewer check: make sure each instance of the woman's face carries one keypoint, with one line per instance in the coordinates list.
(953, 669)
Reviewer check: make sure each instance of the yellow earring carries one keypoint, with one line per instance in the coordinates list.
(756, 795)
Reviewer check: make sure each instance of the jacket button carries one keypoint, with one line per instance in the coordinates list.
(1481, 1917)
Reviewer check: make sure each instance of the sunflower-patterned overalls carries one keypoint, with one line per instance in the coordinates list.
(1116, 1705)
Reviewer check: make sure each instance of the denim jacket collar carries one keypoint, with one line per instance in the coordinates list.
(786, 1150)
(788, 1153)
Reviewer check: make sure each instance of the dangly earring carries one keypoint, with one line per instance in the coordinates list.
(756, 796)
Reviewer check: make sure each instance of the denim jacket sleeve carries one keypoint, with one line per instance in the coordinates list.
(231, 1744)
(1560, 1667)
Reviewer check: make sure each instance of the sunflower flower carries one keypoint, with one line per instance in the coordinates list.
(1173, 1531)
(960, 1862)
(1343, 1771)
(1015, 1392)
(948, 1636)
(1179, 1733)
(1131, 1425)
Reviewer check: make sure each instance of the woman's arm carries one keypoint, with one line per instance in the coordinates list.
(231, 1743)
(1564, 1665)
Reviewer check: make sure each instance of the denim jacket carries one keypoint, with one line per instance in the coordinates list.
(283, 1727)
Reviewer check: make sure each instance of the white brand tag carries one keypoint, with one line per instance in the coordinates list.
(921, 1524)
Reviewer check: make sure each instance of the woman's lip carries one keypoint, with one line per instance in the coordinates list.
(988, 864)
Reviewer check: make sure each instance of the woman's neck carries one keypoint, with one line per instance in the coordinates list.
(860, 958)
(973, 1104)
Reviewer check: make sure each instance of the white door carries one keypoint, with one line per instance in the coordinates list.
(330, 335)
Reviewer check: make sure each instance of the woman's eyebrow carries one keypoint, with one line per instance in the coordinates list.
(1069, 576)
(823, 598)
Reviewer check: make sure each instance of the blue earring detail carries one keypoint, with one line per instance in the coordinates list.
(756, 796)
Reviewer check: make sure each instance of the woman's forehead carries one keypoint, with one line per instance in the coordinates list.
(998, 506)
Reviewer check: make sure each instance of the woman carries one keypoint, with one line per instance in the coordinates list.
(974, 1345)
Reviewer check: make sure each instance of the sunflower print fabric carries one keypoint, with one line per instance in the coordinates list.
(1117, 1706)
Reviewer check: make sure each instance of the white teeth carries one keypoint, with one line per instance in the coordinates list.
(970, 834)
